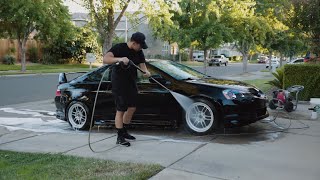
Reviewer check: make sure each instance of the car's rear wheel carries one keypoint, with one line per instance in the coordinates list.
(78, 116)
(226, 63)
(200, 117)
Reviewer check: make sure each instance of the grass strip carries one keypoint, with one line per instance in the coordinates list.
(18, 165)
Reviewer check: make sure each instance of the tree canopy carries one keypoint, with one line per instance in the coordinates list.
(48, 19)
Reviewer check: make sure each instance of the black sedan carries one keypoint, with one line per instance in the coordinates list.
(216, 102)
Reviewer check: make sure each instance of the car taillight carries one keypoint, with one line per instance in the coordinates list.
(58, 92)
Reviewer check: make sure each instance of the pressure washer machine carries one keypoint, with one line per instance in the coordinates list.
(285, 99)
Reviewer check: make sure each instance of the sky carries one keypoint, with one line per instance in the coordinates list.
(74, 6)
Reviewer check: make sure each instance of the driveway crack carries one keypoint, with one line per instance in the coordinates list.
(198, 147)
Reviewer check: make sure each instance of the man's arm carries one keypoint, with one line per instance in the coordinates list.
(145, 69)
(110, 59)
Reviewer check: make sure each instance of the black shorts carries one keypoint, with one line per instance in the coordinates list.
(124, 101)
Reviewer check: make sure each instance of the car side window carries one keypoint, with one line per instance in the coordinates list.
(142, 79)
(97, 75)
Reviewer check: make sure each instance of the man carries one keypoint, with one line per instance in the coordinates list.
(124, 87)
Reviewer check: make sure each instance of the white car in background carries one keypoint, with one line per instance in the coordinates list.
(297, 61)
(218, 60)
(199, 58)
(274, 62)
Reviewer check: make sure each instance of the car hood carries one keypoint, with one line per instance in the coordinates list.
(223, 84)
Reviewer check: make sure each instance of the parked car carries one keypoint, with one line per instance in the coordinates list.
(274, 62)
(199, 58)
(297, 61)
(216, 102)
(262, 59)
(218, 60)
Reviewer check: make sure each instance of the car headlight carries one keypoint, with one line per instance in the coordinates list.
(232, 93)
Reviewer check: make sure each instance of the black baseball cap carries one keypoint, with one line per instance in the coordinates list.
(139, 38)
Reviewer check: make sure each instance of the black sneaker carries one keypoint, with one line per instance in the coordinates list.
(127, 135)
(122, 141)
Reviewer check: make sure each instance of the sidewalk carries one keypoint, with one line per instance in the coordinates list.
(263, 150)
(251, 76)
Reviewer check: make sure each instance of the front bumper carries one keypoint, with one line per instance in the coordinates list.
(243, 113)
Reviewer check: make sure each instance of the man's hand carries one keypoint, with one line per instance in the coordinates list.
(125, 60)
(147, 74)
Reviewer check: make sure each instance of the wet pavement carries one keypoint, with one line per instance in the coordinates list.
(287, 148)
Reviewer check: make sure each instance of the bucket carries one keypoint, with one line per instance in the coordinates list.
(314, 115)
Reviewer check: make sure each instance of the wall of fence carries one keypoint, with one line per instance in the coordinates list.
(6, 45)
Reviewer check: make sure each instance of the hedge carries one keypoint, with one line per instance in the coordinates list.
(307, 75)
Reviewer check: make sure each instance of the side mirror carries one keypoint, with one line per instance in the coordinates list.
(158, 78)
(62, 78)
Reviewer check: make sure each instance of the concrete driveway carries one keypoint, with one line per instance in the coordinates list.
(263, 150)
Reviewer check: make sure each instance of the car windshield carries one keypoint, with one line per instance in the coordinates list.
(177, 71)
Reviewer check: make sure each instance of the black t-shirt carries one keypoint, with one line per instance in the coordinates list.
(123, 79)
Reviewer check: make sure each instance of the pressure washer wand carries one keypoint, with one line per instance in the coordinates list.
(150, 77)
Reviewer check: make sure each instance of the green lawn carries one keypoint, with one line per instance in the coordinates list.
(192, 63)
(16, 165)
(260, 83)
(40, 68)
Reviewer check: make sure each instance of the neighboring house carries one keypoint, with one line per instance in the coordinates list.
(80, 19)
(228, 49)
(125, 29)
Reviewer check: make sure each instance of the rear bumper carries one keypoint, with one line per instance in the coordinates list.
(60, 109)
(214, 62)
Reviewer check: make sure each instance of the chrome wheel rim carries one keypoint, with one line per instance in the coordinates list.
(77, 116)
(199, 117)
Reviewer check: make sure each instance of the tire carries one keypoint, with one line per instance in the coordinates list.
(226, 63)
(200, 118)
(272, 104)
(288, 106)
(78, 116)
(218, 64)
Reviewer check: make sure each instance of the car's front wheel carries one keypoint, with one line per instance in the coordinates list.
(200, 117)
(78, 116)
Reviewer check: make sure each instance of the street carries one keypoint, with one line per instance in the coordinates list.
(29, 88)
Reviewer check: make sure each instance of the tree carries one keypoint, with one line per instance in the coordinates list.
(19, 19)
(194, 23)
(249, 29)
(306, 18)
(75, 47)
(105, 19)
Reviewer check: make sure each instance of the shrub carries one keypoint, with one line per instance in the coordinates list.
(306, 75)
(278, 82)
(9, 60)
(12, 50)
(33, 54)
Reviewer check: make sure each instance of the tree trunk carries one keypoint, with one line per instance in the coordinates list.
(180, 55)
(205, 61)
(245, 62)
(191, 53)
(107, 43)
(281, 58)
(22, 52)
(270, 57)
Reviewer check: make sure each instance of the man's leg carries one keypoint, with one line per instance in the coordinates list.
(118, 121)
(126, 121)
(128, 115)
